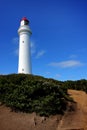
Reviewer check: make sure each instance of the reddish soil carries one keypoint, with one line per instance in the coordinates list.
(75, 120)
(22, 121)
(72, 120)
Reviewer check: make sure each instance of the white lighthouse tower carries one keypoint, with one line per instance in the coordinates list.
(24, 63)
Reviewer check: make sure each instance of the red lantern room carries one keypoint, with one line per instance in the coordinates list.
(24, 21)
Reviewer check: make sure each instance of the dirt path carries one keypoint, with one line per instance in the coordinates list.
(81, 98)
(75, 120)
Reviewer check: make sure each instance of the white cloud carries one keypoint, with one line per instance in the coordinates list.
(66, 64)
(33, 47)
(40, 53)
(57, 75)
(15, 40)
(73, 56)
(16, 52)
(47, 73)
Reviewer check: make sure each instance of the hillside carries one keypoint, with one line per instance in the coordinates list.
(29, 102)
(28, 93)
(71, 120)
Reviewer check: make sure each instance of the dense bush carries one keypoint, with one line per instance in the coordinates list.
(77, 85)
(30, 93)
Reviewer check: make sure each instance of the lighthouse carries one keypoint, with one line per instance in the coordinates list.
(24, 62)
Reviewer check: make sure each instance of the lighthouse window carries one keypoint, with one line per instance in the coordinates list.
(22, 41)
(22, 69)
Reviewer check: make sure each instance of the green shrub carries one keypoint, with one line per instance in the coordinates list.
(29, 93)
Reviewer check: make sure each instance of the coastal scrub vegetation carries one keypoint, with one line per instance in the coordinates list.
(29, 93)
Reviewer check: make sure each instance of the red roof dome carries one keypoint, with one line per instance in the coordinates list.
(25, 19)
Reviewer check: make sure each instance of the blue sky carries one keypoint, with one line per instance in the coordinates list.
(58, 41)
